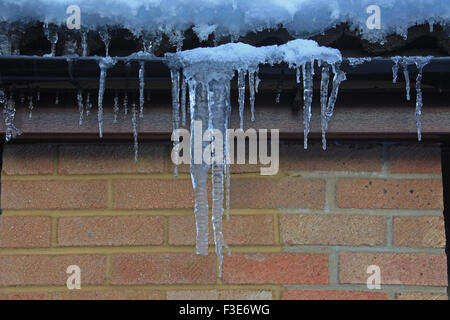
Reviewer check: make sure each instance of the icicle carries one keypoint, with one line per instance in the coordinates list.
(88, 104)
(52, 36)
(183, 102)
(80, 106)
(307, 99)
(116, 107)
(199, 171)
(106, 38)
(277, 97)
(134, 121)
(420, 62)
(241, 88)
(218, 93)
(57, 97)
(339, 76)
(395, 69)
(257, 80)
(125, 103)
(104, 65)
(38, 96)
(9, 113)
(175, 76)
(84, 44)
(298, 74)
(30, 106)
(251, 88)
(406, 75)
(141, 89)
(324, 82)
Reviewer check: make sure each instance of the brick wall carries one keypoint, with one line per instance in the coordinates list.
(308, 233)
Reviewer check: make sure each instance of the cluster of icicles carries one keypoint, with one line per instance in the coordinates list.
(205, 75)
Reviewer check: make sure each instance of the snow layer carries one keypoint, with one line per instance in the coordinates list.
(235, 17)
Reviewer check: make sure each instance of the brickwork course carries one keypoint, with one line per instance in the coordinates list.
(309, 232)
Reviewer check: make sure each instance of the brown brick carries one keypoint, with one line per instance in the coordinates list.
(277, 193)
(23, 296)
(420, 296)
(23, 159)
(419, 232)
(396, 268)
(170, 268)
(356, 158)
(22, 232)
(50, 269)
(111, 158)
(153, 193)
(333, 295)
(332, 229)
(108, 295)
(239, 230)
(53, 194)
(219, 295)
(389, 193)
(276, 268)
(415, 158)
(110, 231)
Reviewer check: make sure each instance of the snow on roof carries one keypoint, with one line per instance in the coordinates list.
(235, 17)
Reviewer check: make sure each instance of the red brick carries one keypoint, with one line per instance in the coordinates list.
(111, 158)
(50, 269)
(53, 194)
(108, 295)
(167, 268)
(415, 158)
(20, 159)
(333, 295)
(420, 296)
(110, 231)
(419, 232)
(23, 296)
(356, 158)
(277, 193)
(153, 193)
(390, 193)
(332, 229)
(219, 295)
(22, 232)
(396, 268)
(276, 268)
(239, 230)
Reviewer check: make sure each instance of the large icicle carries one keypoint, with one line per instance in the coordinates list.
(324, 83)
(183, 102)
(141, 88)
(241, 89)
(104, 64)
(406, 75)
(420, 63)
(175, 77)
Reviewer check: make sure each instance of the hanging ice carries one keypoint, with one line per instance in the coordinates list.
(84, 43)
(104, 64)
(175, 76)
(52, 36)
(134, 122)
(9, 113)
(88, 104)
(420, 63)
(208, 72)
(116, 107)
(141, 89)
(106, 38)
(125, 103)
(30, 106)
(80, 106)
(307, 99)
